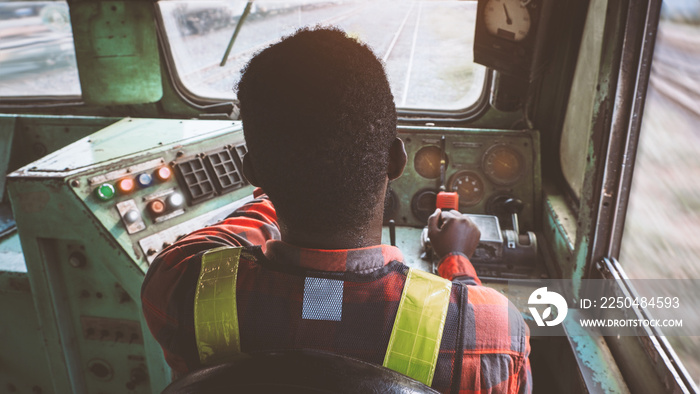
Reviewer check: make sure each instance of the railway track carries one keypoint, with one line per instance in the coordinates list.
(401, 50)
(392, 46)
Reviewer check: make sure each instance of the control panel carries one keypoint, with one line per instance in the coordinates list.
(484, 167)
(94, 215)
(152, 193)
(148, 201)
(496, 175)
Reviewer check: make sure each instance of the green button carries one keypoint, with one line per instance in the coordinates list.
(105, 192)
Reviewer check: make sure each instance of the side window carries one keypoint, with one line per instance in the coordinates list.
(660, 239)
(37, 57)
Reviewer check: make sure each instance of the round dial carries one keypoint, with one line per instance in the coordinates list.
(423, 204)
(502, 164)
(468, 186)
(507, 19)
(427, 162)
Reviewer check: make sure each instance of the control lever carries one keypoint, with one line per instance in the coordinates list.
(519, 246)
(392, 232)
(514, 206)
(490, 248)
(499, 251)
(445, 200)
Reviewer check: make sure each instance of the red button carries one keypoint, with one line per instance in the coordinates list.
(126, 185)
(164, 173)
(156, 207)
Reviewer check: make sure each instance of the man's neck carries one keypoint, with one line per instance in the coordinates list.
(349, 239)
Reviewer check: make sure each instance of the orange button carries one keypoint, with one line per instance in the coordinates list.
(156, 207)
(164, 173)
(126, 185)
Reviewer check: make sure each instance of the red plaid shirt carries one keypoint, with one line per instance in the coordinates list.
(485, 344)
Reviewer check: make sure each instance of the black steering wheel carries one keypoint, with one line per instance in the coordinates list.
(296, 371)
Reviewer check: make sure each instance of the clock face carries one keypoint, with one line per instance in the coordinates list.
(508, 19)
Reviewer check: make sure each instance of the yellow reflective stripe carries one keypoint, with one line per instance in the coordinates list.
(415, 339)
(215, 311)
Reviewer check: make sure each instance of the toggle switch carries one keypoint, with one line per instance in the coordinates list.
(132, 216)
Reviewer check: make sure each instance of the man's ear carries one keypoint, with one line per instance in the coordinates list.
(249, 170)
(397, 159)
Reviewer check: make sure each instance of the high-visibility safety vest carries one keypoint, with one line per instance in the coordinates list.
(415, 338)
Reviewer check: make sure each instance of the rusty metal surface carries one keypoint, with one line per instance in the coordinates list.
(7, 131)
(595, 361)
(116, 41)
(633, 79)
(22, 351)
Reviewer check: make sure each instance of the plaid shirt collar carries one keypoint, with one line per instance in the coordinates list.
(361, 260)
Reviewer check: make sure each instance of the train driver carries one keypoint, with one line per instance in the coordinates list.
(320, 125)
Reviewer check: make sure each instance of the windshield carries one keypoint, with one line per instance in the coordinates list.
(425, 45)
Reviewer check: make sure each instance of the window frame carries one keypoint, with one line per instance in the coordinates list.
(44, 100)
(407, 115)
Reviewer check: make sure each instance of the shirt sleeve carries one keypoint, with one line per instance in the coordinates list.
(456, 266)
(167, 293)
(523, 384)
(499, 331)
(496, 345)
(525, 377)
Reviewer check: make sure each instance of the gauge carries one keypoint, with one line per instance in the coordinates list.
(502, 164)
(508, 19)
(427, 162)
(423, 204)
(468, 186)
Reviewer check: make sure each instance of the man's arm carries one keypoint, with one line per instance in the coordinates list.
(167, 292)
(454, 238)
(501, 328)
(456, 267)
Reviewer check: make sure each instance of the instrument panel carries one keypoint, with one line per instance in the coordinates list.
(485, 168)
(148, 189)
(94, 215)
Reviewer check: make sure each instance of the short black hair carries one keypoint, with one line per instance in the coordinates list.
(319, 119)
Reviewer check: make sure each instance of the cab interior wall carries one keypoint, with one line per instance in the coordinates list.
(568, 223)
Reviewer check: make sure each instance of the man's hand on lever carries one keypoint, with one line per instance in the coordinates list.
(451, 231)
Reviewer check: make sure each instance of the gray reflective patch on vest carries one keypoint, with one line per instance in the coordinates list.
(323, 299)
